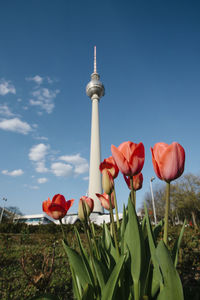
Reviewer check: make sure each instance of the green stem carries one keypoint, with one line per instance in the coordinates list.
(93, 237)
(136, 290)
(116, 208)
(63, 232)
(113, 226)
(167, 206)
(86, 228)
(85, 224)
(133, 193)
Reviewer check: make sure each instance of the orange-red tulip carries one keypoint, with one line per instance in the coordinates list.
(137, 181)
(89, 206)
(104, 199)
(168, 160)
(58, 207)
(129, 157)
(110, 165)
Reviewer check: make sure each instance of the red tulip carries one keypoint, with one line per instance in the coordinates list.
(129, 157)
(110, 165)
(104, 199)
(137, 181)
(168, 160)
(89, 205)
(58, 207)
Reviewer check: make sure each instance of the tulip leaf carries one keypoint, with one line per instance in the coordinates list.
(78, 265)
(172, 288)
(135, 244)
(108, 242)
(110, 288)
(88, 293)
(124, 222)
(76, 285)
(177, 245)
(101, 272)
(157, 279)
(84, 257)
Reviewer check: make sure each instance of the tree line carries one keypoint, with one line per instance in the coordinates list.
(185, 201)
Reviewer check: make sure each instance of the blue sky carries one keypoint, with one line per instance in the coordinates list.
(148, 57)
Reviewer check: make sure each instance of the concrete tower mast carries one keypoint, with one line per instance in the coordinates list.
(95, 90)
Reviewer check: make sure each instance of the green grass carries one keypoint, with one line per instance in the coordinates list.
(37, 245)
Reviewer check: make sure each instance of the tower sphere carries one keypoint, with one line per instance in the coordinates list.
(95, 87)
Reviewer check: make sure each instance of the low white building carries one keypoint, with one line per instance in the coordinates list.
(34, 219)
(42, 219)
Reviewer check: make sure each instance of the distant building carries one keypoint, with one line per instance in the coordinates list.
(34, 219)
(43, 219)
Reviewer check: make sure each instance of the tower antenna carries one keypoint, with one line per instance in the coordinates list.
(95, 60)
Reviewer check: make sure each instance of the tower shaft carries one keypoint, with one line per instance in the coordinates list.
(95, 90)
(95, 185)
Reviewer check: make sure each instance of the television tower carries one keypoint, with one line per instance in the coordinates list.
(95, 90)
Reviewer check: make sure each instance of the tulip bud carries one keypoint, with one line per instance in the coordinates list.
(107, 182)
(88, 204)
(137, 181)
(104, 199)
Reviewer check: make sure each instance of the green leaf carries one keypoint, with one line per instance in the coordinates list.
(76, 285)
(177, 245)
(135, 243)
(108, 242)
(101, 272)
(157, 279)
(85, 258)
(172, 288)
(88, 293)
(112, 283)
(78, 266)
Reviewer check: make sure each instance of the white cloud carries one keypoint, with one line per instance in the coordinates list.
(15, 125)
(40, 167)
(80, 169)
(86, 178)
(73, 159)
(38, 152)
(6, 87)
(5, 111)
(42, 180)
(44, 138)
(61, 169)
(44, 98)
(80, 163)
(37, 79)
(13, 173)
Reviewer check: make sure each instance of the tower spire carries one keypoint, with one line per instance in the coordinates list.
(95, 60)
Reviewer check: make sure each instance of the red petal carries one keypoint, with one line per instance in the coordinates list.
(155, 165)
(120, 160)
(172, 162)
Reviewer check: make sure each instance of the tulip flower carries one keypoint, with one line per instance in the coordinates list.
(137, 181)
(107, 182)
(89, 205)
(168, 160)
(104, 199)
(129, 157)
(58, 207)
(110, 165)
